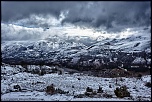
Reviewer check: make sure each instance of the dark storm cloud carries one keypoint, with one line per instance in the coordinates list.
(112, 14)
(94, 14)
(16, 10)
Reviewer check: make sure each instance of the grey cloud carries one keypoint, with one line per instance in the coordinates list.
(20, 9)
(93, 14)
(122, 13)
(13, 32)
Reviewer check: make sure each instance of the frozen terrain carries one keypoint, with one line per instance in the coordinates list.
(33, 86)
(71, 51)
(131, 47)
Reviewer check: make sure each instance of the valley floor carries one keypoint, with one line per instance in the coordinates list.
(33, 86)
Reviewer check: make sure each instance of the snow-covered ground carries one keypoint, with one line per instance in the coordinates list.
(33, 86)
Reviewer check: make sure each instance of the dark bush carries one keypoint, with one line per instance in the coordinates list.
(110, 86)
(100, 90)
(122, 92)
(136, 44)
(60, 72)
(121, 79)
(17, 87)
(134, 87)
(78, 78)
(148, 84)
(39, 82)
(106, 80)
(89, 89)
(50, 89)
(88, 93)
(139, 76)
(94, 93)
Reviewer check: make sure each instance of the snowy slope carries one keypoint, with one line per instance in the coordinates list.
(135, 39)
(33, 86)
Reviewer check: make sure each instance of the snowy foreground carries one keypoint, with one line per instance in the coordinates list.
(33, 86)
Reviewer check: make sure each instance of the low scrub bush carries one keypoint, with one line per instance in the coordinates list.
(122, 92)
(17, 88)
(51, 90)
(88, 89)
(100, 90)
(148, 84)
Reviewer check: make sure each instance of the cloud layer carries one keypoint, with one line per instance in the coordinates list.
(113, 15)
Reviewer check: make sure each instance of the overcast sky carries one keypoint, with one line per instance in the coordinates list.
(111, 15)
(91, 13)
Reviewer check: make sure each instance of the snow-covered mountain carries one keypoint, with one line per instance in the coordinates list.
(78, 49)
(79, 60)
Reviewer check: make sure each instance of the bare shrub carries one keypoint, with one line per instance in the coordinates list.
(50, 89)
(139, 76)
(121, 79)
(110, 86)
(94, 93)
(148, 84)
(122, 92)
(17, 88)
(60, 72)
(88, 89)
(100, 90)
(78, 78)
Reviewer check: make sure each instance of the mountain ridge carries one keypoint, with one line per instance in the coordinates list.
(56, 49)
